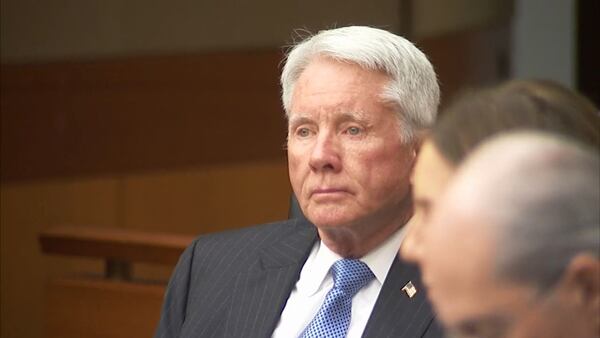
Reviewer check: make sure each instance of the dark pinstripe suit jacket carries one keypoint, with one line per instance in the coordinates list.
(236, 284)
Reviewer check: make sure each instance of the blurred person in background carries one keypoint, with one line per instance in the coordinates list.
(477, 115)
(512, 246)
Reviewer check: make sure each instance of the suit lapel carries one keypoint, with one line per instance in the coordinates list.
(396, 314)
(259, 295)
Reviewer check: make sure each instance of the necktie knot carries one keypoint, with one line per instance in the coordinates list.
(333, 318)
(350, 275)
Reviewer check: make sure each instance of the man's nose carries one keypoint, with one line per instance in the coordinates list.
(325, 154)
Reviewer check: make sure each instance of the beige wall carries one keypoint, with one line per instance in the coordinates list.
(67, 29)
(73, 29)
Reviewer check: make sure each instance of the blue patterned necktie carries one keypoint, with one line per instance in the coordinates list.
(333, 318)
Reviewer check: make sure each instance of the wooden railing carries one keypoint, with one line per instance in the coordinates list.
(114, 305)
(119, 248)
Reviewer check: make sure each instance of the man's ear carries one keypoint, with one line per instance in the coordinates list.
(581, 284)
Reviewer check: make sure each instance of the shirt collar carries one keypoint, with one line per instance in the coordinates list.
(316, 275)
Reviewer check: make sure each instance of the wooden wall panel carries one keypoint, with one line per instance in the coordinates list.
(205, 199)
(469, 58)
(97, 309)
(216, 198)
(152, 113)
(124, 116)
(25, 210)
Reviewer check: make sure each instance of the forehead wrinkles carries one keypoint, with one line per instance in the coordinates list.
(341, 100)
(351, 74)
(330, 77)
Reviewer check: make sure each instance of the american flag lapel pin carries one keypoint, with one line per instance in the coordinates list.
(410, 289)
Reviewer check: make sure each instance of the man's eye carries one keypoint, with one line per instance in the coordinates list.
(353, 130)
(303, 132)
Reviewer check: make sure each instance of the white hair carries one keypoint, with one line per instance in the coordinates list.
(541, 194)
(413, 85)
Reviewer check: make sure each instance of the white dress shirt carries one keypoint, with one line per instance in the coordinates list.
(316, 280)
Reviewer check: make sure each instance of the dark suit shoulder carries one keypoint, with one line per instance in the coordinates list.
(271, 229)
(206, 272)
(239, 245)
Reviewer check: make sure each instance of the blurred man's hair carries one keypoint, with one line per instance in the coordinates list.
(515, 105)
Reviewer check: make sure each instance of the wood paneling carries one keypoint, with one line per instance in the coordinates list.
(115, 244)
(469, 58)
(205, 199)
(216, 198)
(124, 116)
(171, 112)
(26, 209)
(98, 308)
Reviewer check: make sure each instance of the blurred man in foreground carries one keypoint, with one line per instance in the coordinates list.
(512, 248)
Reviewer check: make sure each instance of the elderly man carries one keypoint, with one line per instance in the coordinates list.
(356, 99)
(512, 248)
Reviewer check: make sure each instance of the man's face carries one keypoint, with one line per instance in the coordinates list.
(458, 265)
(347, 163)
(429, 179)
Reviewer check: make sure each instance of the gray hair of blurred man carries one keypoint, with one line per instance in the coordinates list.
(541, 194)
(413, 85)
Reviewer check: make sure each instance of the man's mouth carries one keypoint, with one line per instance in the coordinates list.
(327, 192)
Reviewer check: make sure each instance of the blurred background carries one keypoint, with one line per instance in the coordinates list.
(164, 117)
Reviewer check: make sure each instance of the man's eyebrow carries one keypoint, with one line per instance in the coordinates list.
(354, 117)
(298, 120)
(358, 117)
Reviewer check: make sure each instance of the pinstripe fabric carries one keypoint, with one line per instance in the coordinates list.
(395, 314)
(236, 284)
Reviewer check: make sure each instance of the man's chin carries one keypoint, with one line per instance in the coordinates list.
(323, 220)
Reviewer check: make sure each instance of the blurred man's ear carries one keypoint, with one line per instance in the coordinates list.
(580, 286)
(421, 136)
(572, 308)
